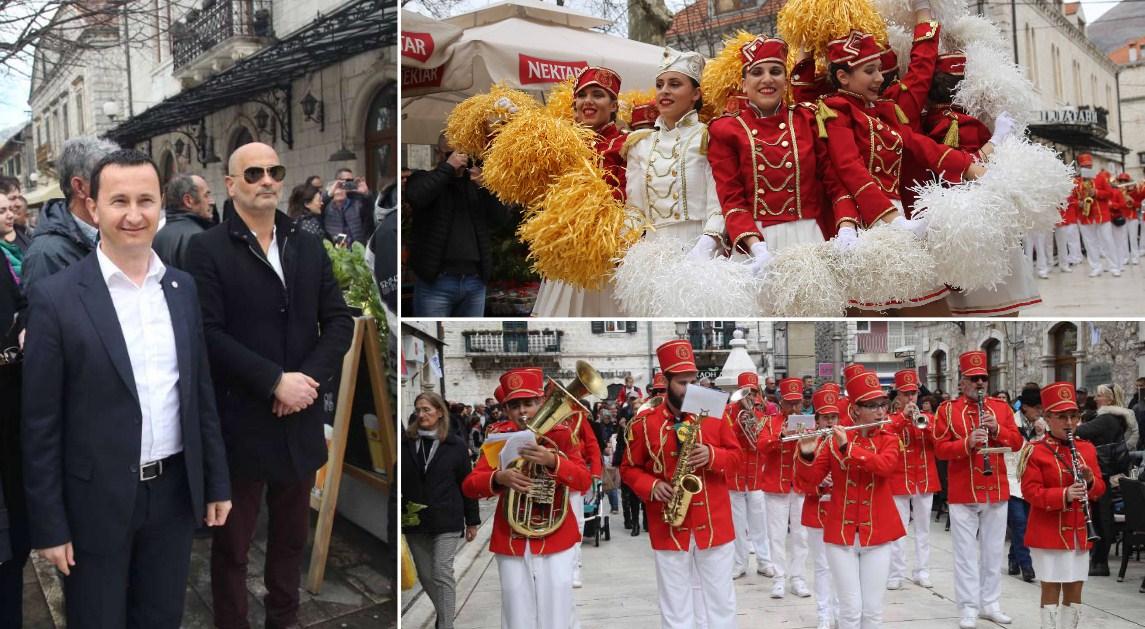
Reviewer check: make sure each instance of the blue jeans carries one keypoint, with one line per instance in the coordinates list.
(449, 296)
(1016, 513)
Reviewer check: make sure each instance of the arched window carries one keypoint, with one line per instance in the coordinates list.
(938, 364)
(1063, 344)
(166, 169)
(240, 137)
(382, 138)
(993, 349)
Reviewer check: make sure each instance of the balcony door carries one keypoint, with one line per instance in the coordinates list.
(381, 138)
(515, 335)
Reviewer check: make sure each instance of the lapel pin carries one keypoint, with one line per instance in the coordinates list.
(174, 284)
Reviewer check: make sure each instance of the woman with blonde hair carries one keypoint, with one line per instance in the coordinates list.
(1109, 432)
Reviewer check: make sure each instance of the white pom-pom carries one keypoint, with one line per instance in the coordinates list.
(802, 282)
(993, 84)
(949, 11)
(970, 234)
(900, 40)
(886, 265)
(897, 12)
(971, 29)
(1034, 179)
(655, 279)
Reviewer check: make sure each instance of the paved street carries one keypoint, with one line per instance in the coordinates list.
(620, 591)
(1070, 295)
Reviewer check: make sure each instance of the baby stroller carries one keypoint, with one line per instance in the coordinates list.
(595, 517)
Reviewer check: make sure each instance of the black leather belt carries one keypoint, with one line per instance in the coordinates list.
(155, 469)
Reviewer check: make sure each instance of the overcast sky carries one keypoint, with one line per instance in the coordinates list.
(14, 86)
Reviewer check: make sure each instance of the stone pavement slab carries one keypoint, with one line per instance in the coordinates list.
(1078, 295)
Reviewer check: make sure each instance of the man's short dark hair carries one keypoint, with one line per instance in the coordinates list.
(343, 170)
(8, 185)
(177, 188)
(121, 157)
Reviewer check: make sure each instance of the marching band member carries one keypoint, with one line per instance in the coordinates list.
(659, 384)
(977, 491)
(815, 501)
(1096, 228)
(698, 550)
(910, 92)
(1057, 532)
(1136, 195)
(1121, 207)
(774, 179)
(782, 500)
(669, 177)
(915, 480)
(536, 572)
(746, 481)
(868, 140)
(861, 519)
(1067, 234)
(629, 389)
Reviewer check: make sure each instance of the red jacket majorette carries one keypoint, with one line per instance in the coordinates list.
(916, 472)
(953, 423)
(747, 475)
(1054, 522)
(570, 471)
(585, 440)
(774, 169)
(652, 455)
(1072, 211)
(609, 140)
(1099, 208)
(816, 497)
(861, 507)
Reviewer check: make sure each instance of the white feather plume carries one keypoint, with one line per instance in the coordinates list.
(971, 29)
(900, 40)
(949, 11)
(1033, 178)
(655, 279)
(994, 84)
(887, 264)
(895, 12)
(802, 282)
(970, 233)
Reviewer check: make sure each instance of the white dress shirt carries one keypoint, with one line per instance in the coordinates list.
(150, 337)
(272, 254)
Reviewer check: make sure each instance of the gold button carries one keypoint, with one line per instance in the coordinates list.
(783, 144)
(791, 189)
(673, 172)
(878, 169)
(761, 168)
(783, 125)
(755, 131)
(787, 165)
(675, 196)
(759, 192)
(879, 127)
(676, 216)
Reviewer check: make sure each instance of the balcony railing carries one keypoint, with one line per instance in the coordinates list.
(882, 342)
(515, 343)
(203, 29)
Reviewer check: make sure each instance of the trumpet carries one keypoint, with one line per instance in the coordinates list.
(746, 418)
(823, 432)
(917, 417)
(987, 469)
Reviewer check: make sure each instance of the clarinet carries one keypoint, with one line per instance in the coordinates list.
(987, 469)
(1090, 532)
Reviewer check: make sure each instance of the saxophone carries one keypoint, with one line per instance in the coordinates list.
(685, 484)
(1089, 193)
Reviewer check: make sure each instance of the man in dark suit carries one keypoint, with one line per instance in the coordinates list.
(277, 330)
(122, 449)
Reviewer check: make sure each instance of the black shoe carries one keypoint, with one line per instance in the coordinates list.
(1028, 574)
(1014, 568)
(635, 531)
(1100, 569)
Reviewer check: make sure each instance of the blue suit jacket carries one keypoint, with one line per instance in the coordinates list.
(82, 426)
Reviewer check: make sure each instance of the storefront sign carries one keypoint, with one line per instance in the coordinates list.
(417, 45)
(414, 78)
(534, 70)
(1067, 116)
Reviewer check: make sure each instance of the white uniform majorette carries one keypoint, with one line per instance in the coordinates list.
(977, 490)
(746, 481)
(861, 519)
(915, 481)
(827, 403)
(782, 499)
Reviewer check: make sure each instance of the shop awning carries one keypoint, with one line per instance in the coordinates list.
(43, 193)
(1077, 137)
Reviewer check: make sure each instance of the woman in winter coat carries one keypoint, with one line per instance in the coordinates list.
(1113, 423)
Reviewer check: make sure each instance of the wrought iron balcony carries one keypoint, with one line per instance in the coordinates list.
(514, 343)
(218, 22)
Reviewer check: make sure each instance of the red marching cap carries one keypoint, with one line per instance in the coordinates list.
(499, 394)
(1085, 160)
(830, 386)
(791, 389)
(763, 49)
(953, 63)
(906, 380)
(748, 379)
(973, 363)
(518, 384)
(888, 59)
(644, 115)
(1059, 397)
(676, 357)
(853, 50)
(851, 370)
(1124, 177)
(825, 401)
(865, 387)
(659, 382)
(595, 75)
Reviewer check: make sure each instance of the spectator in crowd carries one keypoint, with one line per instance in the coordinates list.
(384, 246)
(1137, 405)
(12, 251)
(434, 462)
(807, 408)
(14, 527)
(23, 227)
(350, 210)
(314, 181)
(275, 362)
(66, 231)
(629, 501)
(1018, 509)
(628, 389)
(305, 207)
(808, 384)
(190, 212)
(1108, 431)
(451, 253)
(611, 477)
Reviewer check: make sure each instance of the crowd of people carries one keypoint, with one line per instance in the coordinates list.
(1041, 467)
(178, 366)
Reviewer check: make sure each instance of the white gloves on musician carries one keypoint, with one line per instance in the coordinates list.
(845, 239)
(1004, 127)
(915, 226)
(705, 249)
(760, 258)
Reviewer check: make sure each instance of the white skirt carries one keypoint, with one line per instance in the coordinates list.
(782, 235)
(1018, 290)
(1060, 566)
(558, 299)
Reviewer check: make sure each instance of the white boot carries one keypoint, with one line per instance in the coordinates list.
(1070, 615)
(1050, 617)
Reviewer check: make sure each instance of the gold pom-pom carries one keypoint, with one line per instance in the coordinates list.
(475, 120)
(578, 229)
(559, 100)
(722, 76)
(628, 100)
(531, 151)
(810, 24)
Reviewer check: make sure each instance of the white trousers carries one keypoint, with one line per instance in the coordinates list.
(1098, 241)
(784, 512)
(825, 602)
(921, 504)
(1038, 246)
(536, 591)
(576, 503)
(978, 531)
(1132, 226)
(1121, 243)
(860, 576)
(711, 570)
(1068, 239)
(748, 515)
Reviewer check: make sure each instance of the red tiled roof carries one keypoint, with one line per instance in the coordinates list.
(694, 17)
(1071, 8)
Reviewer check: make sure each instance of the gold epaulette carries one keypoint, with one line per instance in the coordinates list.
(1024, 458)
(930, 33)
(901, 115)
(823, 113)
(951, 137)
(704, 141)
(632, 139)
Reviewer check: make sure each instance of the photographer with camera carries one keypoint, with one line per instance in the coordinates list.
(349, 215)
(451, 252)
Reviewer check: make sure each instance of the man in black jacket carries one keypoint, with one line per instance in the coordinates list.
(450, 253)
(189, 213)
(277, 329)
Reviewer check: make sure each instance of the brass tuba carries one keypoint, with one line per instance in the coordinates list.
(746, 418)
(542, 510)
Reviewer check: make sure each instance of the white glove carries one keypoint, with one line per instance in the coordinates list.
(1003, 128)
(916, 226)
(705, 249)
(760, 258)
(845, 239)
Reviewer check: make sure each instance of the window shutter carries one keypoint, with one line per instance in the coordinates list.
(630, 327)
(598, 327)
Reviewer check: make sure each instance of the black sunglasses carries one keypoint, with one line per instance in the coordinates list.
(978, 378)
(254, 174)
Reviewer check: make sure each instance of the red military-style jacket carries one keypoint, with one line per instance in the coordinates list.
(779, 457)
(946, 125)
(748, 474)
(1099, 211)
(806, 85)
(651, 457)
(965, 483)
(868, 144)
(1047, 472)
(916, 472)
(816, 497)
(772, 169)
(609, 140)
(861, 507)
(585, 439)
(1072, 211)
(570, 471)
(1136, 196)
(1118, 204)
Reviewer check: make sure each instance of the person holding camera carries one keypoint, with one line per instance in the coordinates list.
(451, 253)
(349, 216)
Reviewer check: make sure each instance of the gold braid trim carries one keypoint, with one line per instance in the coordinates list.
(823, 113)
(1024, 459)
(901, 114)
(632, 139)
(951, 138)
